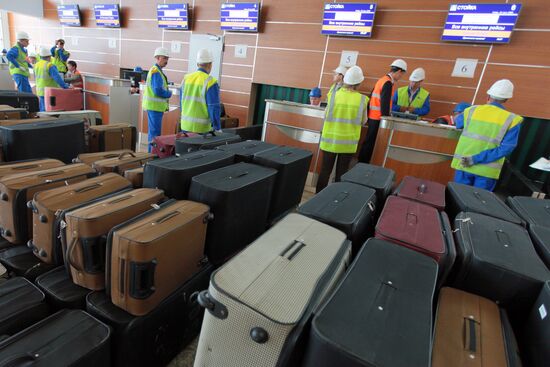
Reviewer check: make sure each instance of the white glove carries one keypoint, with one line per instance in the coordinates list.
(467, 161)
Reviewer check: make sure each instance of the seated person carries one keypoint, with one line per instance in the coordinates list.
(73, 76)
(450, 119)
(315, 97)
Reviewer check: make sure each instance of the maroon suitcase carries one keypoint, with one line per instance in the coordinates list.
(424, 191)
(165, 145)
(419, 227)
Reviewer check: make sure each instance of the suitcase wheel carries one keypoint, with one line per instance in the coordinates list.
(4, 196)
(259, 335)
(215, 308)
(208, 218)
(43, 219)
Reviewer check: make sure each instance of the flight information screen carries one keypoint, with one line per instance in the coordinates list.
(69, 15)
(240, 17)
(343, 19)
(173, 16)
(107, 15)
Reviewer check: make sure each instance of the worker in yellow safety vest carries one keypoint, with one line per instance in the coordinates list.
(346, 112)
(338, 78)
(60, 56)
(18, 64)
(46, 75)
(413, 98)
(489, 134)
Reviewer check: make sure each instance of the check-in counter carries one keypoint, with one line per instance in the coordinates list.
(6, 81)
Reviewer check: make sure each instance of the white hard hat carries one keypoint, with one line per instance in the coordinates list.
(204, 56)
(502, 89)
(354, 76)
(418, 75)
(44, 52)
(161, 51)
(401, 64)
(33, 54)
(341, 70)
(22, 36)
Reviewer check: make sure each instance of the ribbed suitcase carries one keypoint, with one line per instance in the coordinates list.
(536, 331)
(260, 302)
(150, 256)
(86, 230)
(174, 174)
(541, 239)
(244, 151)
(21, 261)
(423, 191)
(347, 206)
(21, 305)
(28, 101)
(239, 196)
(59, 99)
(204, 141)
(28, 166)
(378, 178)
(164, 146)
(292, 165)
(123, 162)
(135, 176)
(90, 158)
(381, 313)
(103, 138)
(535, 212)
(68, 338)
(155, 339)
(60, 290)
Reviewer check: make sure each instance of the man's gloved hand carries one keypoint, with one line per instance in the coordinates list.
(467, 161)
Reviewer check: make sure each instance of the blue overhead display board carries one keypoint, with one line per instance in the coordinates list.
(69, 15)
(348, 19)
(487, 23)
(107, 15)
(173, 16)
(240, 17)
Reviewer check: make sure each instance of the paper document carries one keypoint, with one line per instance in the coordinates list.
(543, 164)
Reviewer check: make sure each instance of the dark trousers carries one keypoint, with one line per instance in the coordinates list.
(365, 154)
(342, 166)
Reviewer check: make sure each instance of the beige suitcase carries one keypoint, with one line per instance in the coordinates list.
(123, 162)
(90, 158)
(28, 166)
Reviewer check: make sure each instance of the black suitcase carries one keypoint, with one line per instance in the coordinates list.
(21, 305)
(532, 211)
(464, 198)
(380, 314)
(156, 338)
(245, 150)
(28, 101)
(62, 139)
(347, 206)
(541, 239)
(204, 141)
(60, 290)
(376, 177)
(536, 332)
(23, 262)
(253, 132)
(292, 165)
(174, 174)
(66, 338)
(239, 196)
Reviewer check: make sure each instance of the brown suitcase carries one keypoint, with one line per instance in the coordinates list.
(471, 331)
(12, 113)
(17, 190)
(135, 176)
(47, 207)
(123, 162)
(90, 158)
(28, 166)
(103, 138)
(149, 257)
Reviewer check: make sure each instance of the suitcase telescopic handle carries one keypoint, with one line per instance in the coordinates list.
(166, 217)
(422, 188)
(470, 335)
(88, 188)
(29, 166)
(48, 174)
(122, 155)
(478, 196)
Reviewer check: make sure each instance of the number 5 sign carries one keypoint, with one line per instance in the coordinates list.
(349, 58)
(464, 68)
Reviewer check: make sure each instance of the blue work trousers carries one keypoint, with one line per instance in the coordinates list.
(475, 180)
(22, 83)
(155, 125)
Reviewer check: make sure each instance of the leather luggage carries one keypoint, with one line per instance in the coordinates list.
(380, 314)
(259, 303)
(123, 162)
(245, 150)
(541, 239)
(174, 174)
(47, 207)
(21, 261)
(60, 290)
(9, 112)
(28, 101)
(164, 146)
(86, 230)
(535, 212)
(135, 176)
(59, 99)
(378, 178)
(204, 141)
(239, 197)
(536, 331)
(17, 190)
(90, 158)
(117, 136)
(152, 255)
(28, 166)
(423, 191)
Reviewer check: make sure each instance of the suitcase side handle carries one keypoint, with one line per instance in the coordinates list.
(89, 187)
(70, 253)
(166, 217)
(19, 361)
(48, 174)
(470, 335)
(209, 303)
(142, 279)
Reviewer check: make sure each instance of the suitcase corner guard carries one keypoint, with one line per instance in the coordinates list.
(215, 308)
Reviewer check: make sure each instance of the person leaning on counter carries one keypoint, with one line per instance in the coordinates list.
(413, 99)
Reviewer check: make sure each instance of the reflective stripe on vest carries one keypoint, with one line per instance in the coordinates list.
(43, 78)
(375, 106)
(60, 64)
(194, 109)
(418, 101)
(150, 101)
(22, 61)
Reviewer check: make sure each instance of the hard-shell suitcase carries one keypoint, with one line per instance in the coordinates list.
(419, 227)
(60, 290)
(135, 176)
(48, 205)
(378, 178)
(21, 261)
(28, 166)
(17, 190)
(155, 339)
(34, 120)
(424, 191)
(174, 174)
(150, 256)
(380, 314)
(260, 302)
(21, 305)
(535, 212)
(85, 233)
(346, 206)
(496, 260)
(541, 239)
(9, 112)
(464, 198)
(245, 150)
(292, 165)
(123, 162)
(28, 101)
(61, 139)
(536, 332)
(68, 338)
(239, 197)
(469, 331)
(164, 146)
(59, 99)
(90, 158)
(204, 141)
(116, 136)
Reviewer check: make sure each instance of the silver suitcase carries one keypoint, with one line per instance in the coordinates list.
(259, 302)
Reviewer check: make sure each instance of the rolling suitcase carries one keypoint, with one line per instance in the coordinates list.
(419, 227)
(253, 132)
(90, 158)
(292, 165)
(423, 191)
(204, 141)
(464, 198)
(122, 163)
(155, 339)
(541, 239)
(472, 331)
(150, 256)
(380, 314)
(164, 146)
(245, 150)
(59, 99)
(17, 190)
(535, 212)
(378, 178)
(239, 197)
(85, 233)
(21, 305)
(174, 174)
(34, 120)
(135, 176)
(9, 112)
(47, 207)
(346, 206)
(536, 332)
(60, 290)
(103, 138)
(68, 338)
(28, 101)
(28, 166)
(21, 261)
(260, 302)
